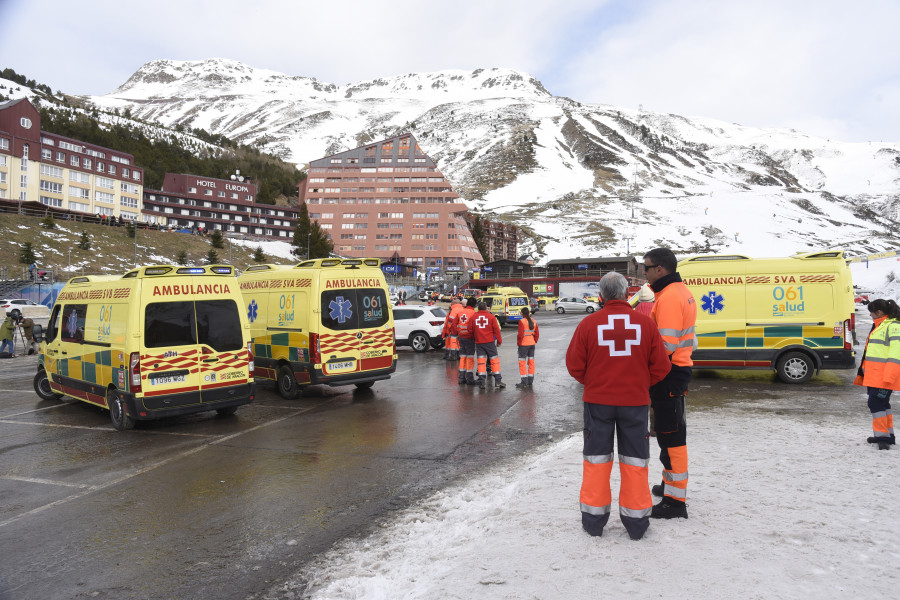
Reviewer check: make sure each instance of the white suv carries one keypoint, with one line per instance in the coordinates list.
(564, 305)
(419, 327)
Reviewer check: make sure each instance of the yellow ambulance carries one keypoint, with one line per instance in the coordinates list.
(325, 321)
(159, 341)
(506, 303)
(794, 315)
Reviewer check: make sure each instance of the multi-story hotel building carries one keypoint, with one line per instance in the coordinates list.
(501, 240)
(389, 200)
(36, 166)
(208, 203)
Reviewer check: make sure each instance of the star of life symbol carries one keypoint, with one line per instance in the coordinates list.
(252, 310)
(481, 322)
(617, 335)
(712, 302)
(340, 310)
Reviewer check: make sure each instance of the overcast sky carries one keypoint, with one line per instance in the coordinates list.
(825, 67)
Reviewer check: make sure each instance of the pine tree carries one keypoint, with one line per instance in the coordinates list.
(320, 245)
(26, 254)
(478, 237)
(259, 256)
(302, 233)
(85, 242)
(212, 257)
(48, 222)
(182, 257)
(217, 239)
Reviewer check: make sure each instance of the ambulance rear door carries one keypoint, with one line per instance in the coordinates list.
(170, 358)
(354, 336)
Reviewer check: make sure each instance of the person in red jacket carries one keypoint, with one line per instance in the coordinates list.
(465, 331)
(675, 314)
(617, 354)
(487, 340)
(526, 341)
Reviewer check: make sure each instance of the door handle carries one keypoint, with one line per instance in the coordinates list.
(210, 360)
(64, 353)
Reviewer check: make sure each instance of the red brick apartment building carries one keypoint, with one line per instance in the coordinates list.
(188, 201)
(501, 240)
(388, 199)
(63, 173)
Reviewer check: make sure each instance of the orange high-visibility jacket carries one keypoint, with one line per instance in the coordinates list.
(450, 320)
(464, 327)
(675, 313)
(881, 364)
(526, 335)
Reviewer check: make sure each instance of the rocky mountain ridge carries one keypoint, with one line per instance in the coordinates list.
(578, 178)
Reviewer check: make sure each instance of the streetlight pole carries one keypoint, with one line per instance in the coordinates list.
(69, 262)
(134, 224)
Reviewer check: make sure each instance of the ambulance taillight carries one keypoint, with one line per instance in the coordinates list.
(849, 328)
(134, 372)
(315, 356)
(250, 357)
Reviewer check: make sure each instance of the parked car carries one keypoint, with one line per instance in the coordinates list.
(534, 305)
(570, 304)
(419, 327)
(28, 308)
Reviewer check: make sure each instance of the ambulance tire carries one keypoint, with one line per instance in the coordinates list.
(42, 386)
(795, 367)
(226, 412)
(419, 341)
(120, 419)
(364, 385)
(287, 383)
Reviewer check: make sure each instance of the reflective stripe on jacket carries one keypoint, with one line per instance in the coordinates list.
(527, 336)
(675, 313)
(881, 364)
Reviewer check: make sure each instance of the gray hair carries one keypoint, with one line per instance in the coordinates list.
(613, 286)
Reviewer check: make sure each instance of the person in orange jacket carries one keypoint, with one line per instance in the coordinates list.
(617, 354)
(465, 332)
(526, 341)
(879, 369)
(675, 314)
(487, 340)
(451, 341)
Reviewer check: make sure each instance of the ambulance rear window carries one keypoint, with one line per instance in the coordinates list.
(354, 309)
(215, 323)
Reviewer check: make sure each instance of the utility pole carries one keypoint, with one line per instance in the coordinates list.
(628, 245)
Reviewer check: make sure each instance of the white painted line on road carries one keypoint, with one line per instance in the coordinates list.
(8, 422)
(44, 481)
(26, 412)
(147, 469)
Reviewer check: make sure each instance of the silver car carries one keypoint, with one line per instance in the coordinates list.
(564, 305)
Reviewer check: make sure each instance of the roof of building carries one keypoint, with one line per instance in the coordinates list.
(597, 259)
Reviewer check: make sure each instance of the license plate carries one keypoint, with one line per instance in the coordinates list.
(168, 379)
(340, 366)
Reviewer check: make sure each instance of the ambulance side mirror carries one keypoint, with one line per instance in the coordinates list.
(37, 333)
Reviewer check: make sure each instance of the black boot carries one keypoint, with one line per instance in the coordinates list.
(875, 440)
(658, 490)
(884, 445)
(669, 509)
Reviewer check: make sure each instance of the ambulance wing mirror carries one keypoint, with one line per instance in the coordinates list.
(38, 333)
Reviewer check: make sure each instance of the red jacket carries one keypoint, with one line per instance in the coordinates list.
(464, 327)
(617, 354)
(450, 320)
(486, 328)
(526, 335)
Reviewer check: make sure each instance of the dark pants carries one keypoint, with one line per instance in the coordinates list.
(667, 400)
(603, 422)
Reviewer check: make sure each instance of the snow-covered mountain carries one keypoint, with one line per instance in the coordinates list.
(581, 179)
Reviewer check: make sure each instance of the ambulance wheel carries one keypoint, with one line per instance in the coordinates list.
(795, 367)
(226, 412)
(287, 383)
(42, 386)
(120, 419)
(364, 385)
(419, 341)
(560, 309)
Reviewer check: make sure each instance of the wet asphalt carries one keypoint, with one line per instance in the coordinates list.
(229, 507)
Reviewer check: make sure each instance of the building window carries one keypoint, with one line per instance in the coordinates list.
(46, 154)
(73, 160)
(86, 163)
(104, 197)
(112, 169)
(51, 201)
(51, 186)
(79, 206)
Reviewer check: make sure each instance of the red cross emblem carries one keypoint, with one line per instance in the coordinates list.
(481, 322)
(619, 335)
